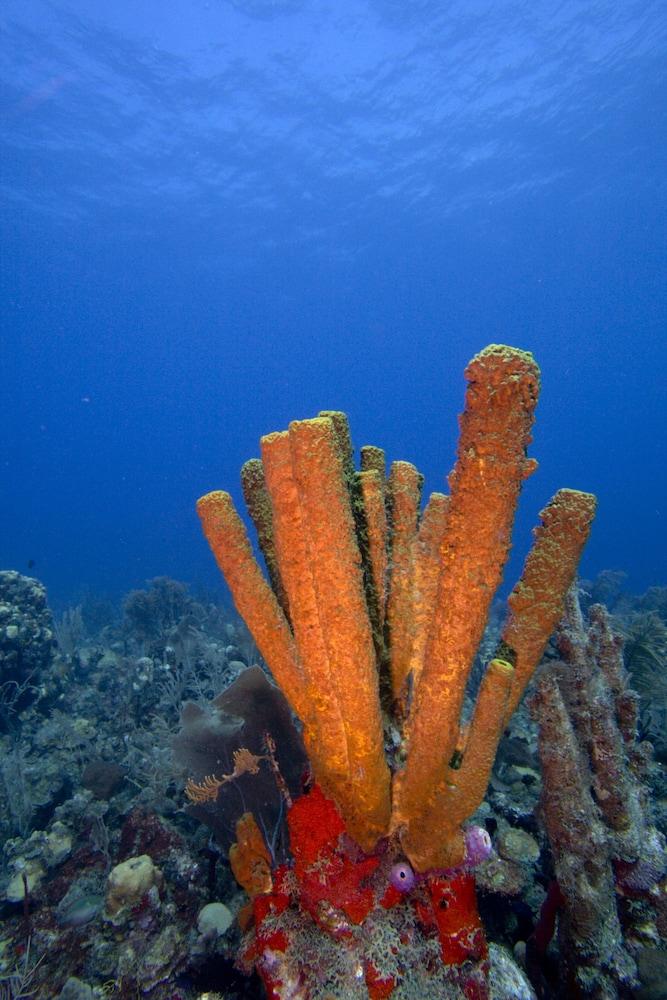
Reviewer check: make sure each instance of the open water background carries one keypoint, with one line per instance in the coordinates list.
(220, 216)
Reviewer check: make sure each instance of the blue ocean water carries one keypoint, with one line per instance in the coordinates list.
(221, 215)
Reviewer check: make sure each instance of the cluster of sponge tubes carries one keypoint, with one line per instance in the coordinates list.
(374, 613)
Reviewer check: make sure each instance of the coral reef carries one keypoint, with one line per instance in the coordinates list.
(164, 605)
(88, 784)
(261, 869)
(372, 634)
(93, 784)
(27, 640)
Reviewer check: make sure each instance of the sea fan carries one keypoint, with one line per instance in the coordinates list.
(645, 654)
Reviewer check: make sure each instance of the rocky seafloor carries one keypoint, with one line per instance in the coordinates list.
(111, 887)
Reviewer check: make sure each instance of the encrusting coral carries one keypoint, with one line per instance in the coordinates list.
(376, 613)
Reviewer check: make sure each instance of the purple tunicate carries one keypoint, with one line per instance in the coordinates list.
(478, 846)
(402, 877)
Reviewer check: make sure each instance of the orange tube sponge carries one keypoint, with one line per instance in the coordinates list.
(336, 568)
(485, 485)
(258, 503)
(254, 599)
(341, 426)
(537, 601)
(379, 598)
(326, 743)
(371, 457)
(486, 728)
(437, 841)
(403, 496)
(374, 530)
(426, 558)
